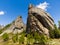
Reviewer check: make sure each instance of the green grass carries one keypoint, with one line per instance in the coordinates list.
(10, 41)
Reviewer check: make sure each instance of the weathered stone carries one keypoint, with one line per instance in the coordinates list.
(39, 20)
(19, 22)
(17, 26)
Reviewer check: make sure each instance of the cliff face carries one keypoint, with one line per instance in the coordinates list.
(39, 20)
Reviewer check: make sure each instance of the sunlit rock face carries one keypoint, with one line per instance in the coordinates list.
(39, 20)
(19, 23)
(17, 26)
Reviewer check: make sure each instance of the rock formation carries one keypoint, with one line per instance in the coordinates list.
(17, 26)
(39, 20)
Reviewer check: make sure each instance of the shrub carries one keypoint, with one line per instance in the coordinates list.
(15, 38)
(5, 36)
(30, 39)
(21, 39)
(55, 33)
(52, 35)
(0, 31)
(43, 39)
(40, 38)
(36, 38)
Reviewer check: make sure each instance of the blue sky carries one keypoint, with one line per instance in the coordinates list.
(10, 9)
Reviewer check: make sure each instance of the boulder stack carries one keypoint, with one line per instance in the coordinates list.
(39, 20)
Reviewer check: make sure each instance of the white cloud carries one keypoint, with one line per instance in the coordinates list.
(2, 12)
(43, 5)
